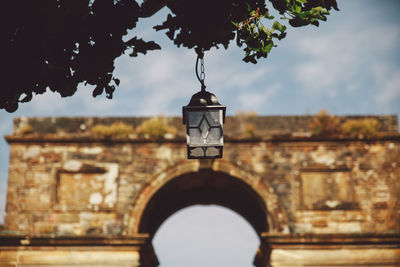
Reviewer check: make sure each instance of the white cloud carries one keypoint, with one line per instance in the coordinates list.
(47, 103)
(334, 57)
(155, 67)
(159, 69)
(224, 69)
(158, 101)
(328, 61)
(86, 103)
(153, 82)
(353, 86)
(387, 79)
(82, 102)
(255, 100)
(316, 76)
(245, 80)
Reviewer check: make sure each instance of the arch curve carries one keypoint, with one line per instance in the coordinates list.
(206, 182)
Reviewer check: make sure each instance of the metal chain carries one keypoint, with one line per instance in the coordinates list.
(202, 73)
(202, 76)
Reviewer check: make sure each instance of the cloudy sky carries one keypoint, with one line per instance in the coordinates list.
(349, 65)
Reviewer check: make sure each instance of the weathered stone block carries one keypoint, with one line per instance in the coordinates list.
(41, 228)
(17, 221)
(327, 190)
(12, 199)
(34, 198)
(67, 217)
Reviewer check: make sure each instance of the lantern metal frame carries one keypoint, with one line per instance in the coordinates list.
(211, 117)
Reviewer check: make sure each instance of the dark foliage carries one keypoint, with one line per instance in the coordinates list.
(58, 44)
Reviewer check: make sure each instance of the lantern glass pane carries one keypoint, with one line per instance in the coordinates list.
(214, 137)
(196, 152)
(212, 152)
(195, 136)
(213, 117)
(195, 118)
(204, 128)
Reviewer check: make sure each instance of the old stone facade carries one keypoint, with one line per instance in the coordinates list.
(83, 195)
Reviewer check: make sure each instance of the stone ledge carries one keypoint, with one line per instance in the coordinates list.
(275, 139)
(57, 257)
(255, 126)
(13, 241)
(372, 257)
(376, 239)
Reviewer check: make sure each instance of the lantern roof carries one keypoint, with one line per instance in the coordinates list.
(204, 98)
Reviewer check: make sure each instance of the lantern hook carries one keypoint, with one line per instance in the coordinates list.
(202, 76)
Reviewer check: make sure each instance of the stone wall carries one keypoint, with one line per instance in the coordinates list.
(66, 181)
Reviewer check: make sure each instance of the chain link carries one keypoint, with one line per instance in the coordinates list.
(202, 73)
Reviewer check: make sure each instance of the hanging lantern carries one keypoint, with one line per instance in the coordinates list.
(204, 117)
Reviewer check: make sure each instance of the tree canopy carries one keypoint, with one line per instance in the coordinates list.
(58, 44)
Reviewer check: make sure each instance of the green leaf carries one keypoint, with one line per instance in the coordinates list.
(278, 26)
(268, 47)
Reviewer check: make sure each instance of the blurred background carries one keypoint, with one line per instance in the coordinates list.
(348, 65)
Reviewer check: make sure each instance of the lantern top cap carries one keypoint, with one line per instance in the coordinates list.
(204, 98)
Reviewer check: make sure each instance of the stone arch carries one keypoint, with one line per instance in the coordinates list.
(206, 182)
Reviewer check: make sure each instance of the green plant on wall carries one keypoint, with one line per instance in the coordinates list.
(325, 124)
(25, 129)
(117, 129)
(155, 127)
(361, 128)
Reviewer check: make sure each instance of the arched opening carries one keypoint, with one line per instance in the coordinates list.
(209, 235)
(204, 187)
(165, 195)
